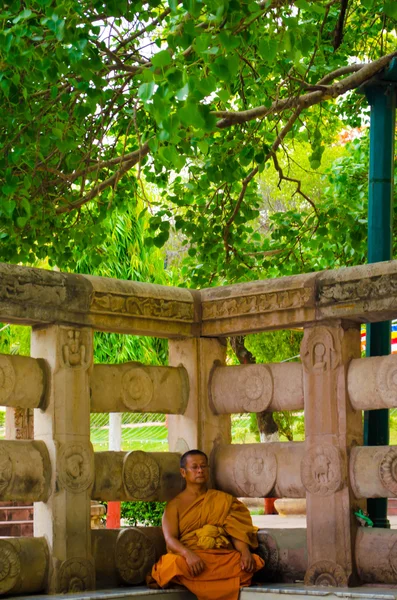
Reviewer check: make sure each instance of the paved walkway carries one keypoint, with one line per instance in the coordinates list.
(295, 522)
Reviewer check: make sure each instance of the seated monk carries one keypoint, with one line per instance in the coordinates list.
(208, 535)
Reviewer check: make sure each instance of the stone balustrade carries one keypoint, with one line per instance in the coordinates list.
(60, 472)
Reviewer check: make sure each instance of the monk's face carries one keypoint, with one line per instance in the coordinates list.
(196, 470)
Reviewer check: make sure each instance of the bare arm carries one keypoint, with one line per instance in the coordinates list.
(171, 535)
(247, 561)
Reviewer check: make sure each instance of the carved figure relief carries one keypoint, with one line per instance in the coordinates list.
(321, 470)
(76, 575)
(6, 469)
(255, 471)
(7, 378)
(257, 389)
(386, 380)
(137, 389)
(134, 555)
(273, 301)
(320, 351)
(126, 304)
(141, 475)
(10, 566)
(75, 467)
(21, 284)
(327, 573)
(376, 287)
(388, 470)
(74, 349)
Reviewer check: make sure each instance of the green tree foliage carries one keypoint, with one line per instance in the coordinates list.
(197, 96)
(122, 254)
(143, 513)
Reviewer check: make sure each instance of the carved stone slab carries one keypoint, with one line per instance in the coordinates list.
(258, 306)
(365, 293)
(373, 471)
(38, 296)
(372, 382)
(256, 388)
(149, 476)
(132, 387)
(259, 470)
(25, 471)
(22, 381)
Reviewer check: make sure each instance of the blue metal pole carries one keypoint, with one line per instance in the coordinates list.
(382, 98)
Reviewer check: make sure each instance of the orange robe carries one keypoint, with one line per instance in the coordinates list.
(206, 527)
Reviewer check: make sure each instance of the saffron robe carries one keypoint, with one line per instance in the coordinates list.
(206, 527)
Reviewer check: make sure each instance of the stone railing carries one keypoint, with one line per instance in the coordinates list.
(60, 473)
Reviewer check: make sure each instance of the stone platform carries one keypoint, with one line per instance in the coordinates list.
(256, 592)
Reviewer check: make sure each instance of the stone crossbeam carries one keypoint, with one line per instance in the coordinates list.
(373, 471)
(256, 388)
(149, 476)
(39, 297)
(260, 470)
(366, 293)
(132, 387)
(25, 471)
(22, 381)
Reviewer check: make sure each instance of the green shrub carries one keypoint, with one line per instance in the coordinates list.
(142, 513)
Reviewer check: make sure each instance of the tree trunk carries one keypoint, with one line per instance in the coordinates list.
(268, 429)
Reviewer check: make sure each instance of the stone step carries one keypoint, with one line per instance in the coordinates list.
(16, 529)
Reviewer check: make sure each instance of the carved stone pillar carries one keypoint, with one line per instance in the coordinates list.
(64, 425)
(332, 427)
(199, 426)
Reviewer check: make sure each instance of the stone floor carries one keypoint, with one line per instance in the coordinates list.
(259, 592)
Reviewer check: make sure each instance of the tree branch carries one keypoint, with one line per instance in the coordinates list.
(353, 81)
(110, 182)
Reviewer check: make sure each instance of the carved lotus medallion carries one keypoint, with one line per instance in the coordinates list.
(327, 573)
(76, 575)
(255, 471)
(137, 389)
(134, 555)
(388, 470)
(321, 470)
(10, 566)
(141, 475)
(257, 388)
(386, 380)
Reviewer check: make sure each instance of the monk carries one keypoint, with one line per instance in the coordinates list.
(209, 536)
